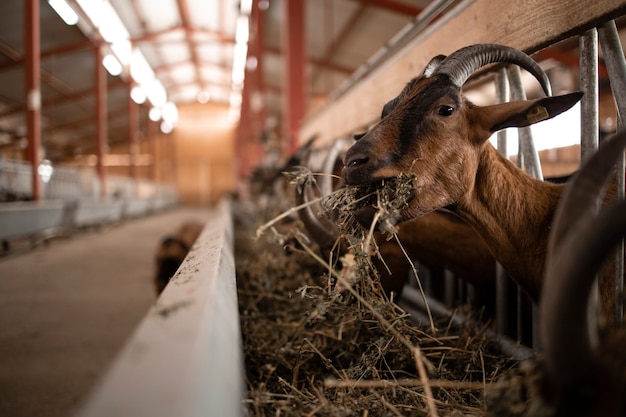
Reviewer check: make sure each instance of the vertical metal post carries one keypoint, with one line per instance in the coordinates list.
(502, 281)
(616, 66)
(257, 46)
(33, 91)
(170, 139)
(589, 135)
(101, 119)
(295, 71)
(154, 149)
(589, 102)
(133, 139)
(449, 288)
(528, 153)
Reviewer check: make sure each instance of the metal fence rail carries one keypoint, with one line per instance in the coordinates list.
(76, 198)
(185, 358)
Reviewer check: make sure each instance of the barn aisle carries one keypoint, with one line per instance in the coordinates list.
(66, 309)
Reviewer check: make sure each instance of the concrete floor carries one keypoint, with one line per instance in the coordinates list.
(67, 307)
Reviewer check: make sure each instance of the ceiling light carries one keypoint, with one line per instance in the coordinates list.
(123, 51)
(239, 63)
(112, 65)
(138, 95)
(64, 11)
(245, 6)
(93, 10)
(154, 114)
(251, 63)
(155, 92)
(203, 97)
(140, 70)
(111, 27)
(166, 127)
(242, 31)
(45, 170)
(169, 112)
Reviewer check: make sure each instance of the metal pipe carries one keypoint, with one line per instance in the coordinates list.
(33, 91)
(133, 132)
(616, 67)
(295, 71)
(589, 102)
(589, 135)
(185, 356)
(413, 302)
(502, 280)
(101, 120)
(527, 155)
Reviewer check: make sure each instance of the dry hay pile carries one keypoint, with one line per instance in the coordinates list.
(329, 343)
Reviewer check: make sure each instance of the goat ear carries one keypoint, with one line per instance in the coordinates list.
(528, 112)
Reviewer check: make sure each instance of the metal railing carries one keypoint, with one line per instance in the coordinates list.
(72, 199)
(185, 358)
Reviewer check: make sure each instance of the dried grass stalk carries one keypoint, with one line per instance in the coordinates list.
(306, 324)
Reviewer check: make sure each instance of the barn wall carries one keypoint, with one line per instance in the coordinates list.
(205, 153)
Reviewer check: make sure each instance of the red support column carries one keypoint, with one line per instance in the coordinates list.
(294, 46)
(101, 120)
(133, 134)
(257, 48)
(33, 91)
(243, 134)
(153, 137)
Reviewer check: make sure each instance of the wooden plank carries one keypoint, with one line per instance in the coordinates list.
(527, 25)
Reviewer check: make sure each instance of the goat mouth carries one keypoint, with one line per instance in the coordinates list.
(388, 198)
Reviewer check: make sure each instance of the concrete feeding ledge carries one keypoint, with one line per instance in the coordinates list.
(185, 358)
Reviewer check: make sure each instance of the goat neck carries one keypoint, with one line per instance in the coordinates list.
(512, 212)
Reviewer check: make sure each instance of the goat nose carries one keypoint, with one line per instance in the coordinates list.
(353, 160)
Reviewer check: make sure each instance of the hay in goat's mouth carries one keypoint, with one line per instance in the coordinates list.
(313, 348)
(387, 197)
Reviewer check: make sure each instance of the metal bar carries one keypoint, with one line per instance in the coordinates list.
(295, 71)
(530, 156)
(589, 136)
(616, 67)
(33, 91)
(153, 144)
(101, 119)
(413, 302)
(185, 357)
(449, 288)
(589, 102)
(133, 134)
(502, 280)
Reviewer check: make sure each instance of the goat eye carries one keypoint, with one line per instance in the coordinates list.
(446, 110)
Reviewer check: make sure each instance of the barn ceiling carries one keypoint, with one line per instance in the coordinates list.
(188, 44)
(187, 51)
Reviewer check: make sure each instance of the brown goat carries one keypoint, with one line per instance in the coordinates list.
(432, 131)
(582, 378)
(439, 240)
(172, 251)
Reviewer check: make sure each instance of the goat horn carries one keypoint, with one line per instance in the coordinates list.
(579, 243)
(460, 65)
(432, 65)
(585, 188)
(570, 274)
